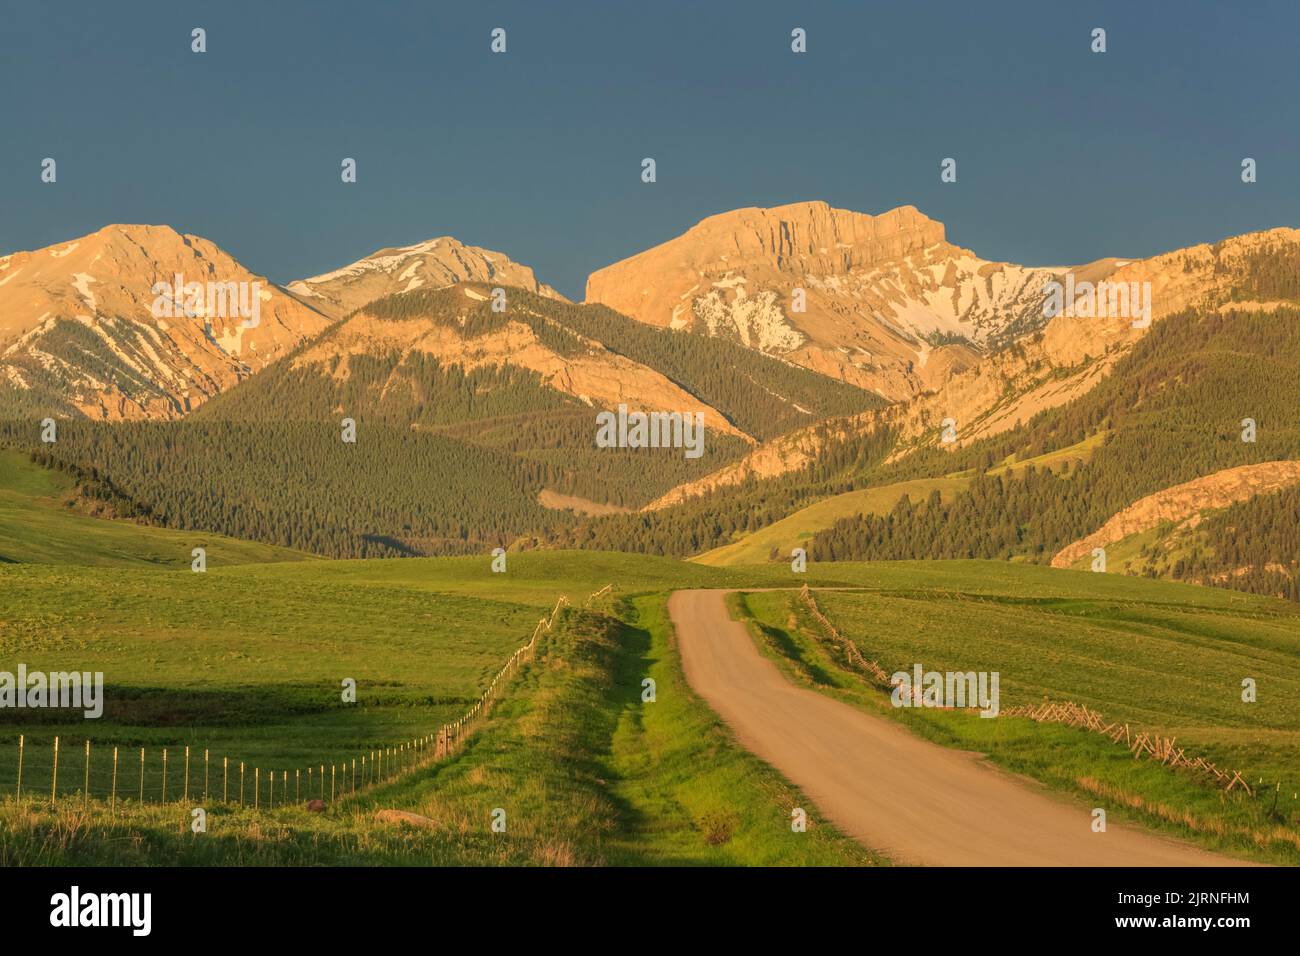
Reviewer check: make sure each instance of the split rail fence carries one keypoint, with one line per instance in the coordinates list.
(1145, 744)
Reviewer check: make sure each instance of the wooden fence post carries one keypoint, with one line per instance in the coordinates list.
(112, 799)
(297, 786)
(257, 785)
(185, 794)
(22, 739)
(85, 787)
(142, 775)
(54, 778)
(164, 780)
(205, 774)
(241, 783)
(322, 781)
(225, 779)
(331, 783)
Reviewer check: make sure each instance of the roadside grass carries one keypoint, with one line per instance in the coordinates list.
(1172, 669)
(697, 796)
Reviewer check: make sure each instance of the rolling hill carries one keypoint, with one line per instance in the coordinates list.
(46, 517)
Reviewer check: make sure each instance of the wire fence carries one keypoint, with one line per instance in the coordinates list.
(70, 771)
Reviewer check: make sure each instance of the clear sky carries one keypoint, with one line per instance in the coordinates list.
(1063, 155)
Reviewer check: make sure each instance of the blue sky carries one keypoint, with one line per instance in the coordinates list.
(1063, 155)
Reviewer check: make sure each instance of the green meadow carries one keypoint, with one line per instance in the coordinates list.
(246, 661)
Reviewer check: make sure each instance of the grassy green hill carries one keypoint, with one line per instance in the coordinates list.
(38, 525)
(1253, 545)
(796, 530)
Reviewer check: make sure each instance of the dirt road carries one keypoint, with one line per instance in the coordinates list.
(914, 801)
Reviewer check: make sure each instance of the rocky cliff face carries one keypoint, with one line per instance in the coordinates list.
(1060, 361)
(1074, 352)
(428, 265)
(97, 327)
(883, 302)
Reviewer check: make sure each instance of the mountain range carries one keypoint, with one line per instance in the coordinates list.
(829, 351)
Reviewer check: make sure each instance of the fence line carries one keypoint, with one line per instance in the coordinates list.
(876, 672)
(1152, 746)
(353, 776)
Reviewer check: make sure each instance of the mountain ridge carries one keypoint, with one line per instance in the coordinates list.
(884, 302)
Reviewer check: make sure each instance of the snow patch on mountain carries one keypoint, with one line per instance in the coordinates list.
(81, 282)
(757, 321)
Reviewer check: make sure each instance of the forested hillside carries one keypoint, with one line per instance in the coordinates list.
(394, 492)
(447, 460)
(450, 460)
(1251, 546)
(708, 521)
(1172, 410)
(760, 395)
(763, 396)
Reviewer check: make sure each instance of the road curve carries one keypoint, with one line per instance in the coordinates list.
(912, 800)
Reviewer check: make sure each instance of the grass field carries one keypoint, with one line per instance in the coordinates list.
(247, 661)
(586, 772)
(249, 669)
(1164, 658)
